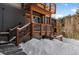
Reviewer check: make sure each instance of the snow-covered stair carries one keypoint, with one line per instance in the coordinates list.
(11, 49)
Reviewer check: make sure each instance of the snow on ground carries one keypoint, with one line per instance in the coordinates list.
(51, 47)
(1, 53)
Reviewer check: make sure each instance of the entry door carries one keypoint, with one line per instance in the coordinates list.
(1, 18)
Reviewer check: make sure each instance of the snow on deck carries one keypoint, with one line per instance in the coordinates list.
(51, 47)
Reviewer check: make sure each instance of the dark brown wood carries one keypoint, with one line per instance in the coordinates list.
(22, 33)
(31, 27)
(17, 37)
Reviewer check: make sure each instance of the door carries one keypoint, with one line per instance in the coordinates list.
(1, 19)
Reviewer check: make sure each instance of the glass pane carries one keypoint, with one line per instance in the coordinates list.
(48, 4)
(53, 6)
(37, 19)
(46, 19)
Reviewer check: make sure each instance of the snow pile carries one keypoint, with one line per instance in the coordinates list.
(51, 47)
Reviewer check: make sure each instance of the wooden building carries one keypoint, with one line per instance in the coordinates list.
(21, 21)
(39, 15)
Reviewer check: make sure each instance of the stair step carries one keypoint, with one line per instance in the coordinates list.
(8, 47)
(12, 51)
(20, 53)
(12, 38)
(3, 42)
(4, 33)
(3, 38)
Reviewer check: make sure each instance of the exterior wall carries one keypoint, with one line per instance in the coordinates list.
(12, 15)
(39, 12)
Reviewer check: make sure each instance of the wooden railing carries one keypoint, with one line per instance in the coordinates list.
(12, 33)
(37, 27)
(23, 33)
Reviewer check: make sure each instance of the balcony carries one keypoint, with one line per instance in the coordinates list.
(43, 8)
(51, 8)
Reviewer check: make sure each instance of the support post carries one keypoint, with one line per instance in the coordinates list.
(31, 22)
(17, 37)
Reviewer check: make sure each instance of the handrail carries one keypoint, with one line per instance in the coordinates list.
(4, 33)
(23, 26)
(13, 28)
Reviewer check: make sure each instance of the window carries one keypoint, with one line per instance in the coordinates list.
(37, 19)
(48, 4)
(47, 20)
(53, 7)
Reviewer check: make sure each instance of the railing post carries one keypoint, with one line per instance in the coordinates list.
(31, 23)
(17, 37)
(40, 29)
(30, 31)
